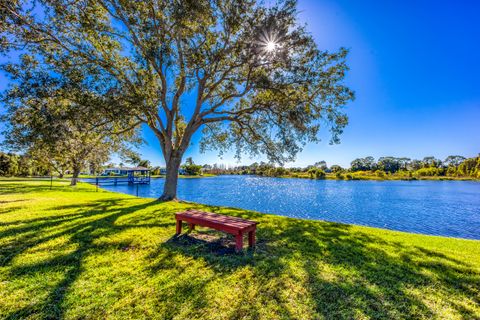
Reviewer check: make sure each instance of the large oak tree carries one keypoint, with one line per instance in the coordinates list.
(248, 75)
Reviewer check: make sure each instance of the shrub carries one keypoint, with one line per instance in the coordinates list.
(316, 173)
(451, 171)
(156, 171)
(336, 168)
(192, 169)
(280, 171)
(428, 172)
(380, 173)
(320, 174)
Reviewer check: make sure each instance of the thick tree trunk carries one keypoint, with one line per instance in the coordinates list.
(171, 179)
(76, 173)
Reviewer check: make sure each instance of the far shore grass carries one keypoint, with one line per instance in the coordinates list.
(73, 253)
(355, 176)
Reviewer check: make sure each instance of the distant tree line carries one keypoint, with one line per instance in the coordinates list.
(454, 166)
(12, 164)
(26, 165)
(191, 168)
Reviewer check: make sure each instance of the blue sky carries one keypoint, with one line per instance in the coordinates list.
(415, 67)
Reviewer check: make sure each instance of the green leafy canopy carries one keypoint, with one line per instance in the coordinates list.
(154, 52)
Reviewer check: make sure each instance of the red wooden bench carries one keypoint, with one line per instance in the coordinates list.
(233, 225)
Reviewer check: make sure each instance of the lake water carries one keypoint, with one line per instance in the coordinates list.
(447, 208)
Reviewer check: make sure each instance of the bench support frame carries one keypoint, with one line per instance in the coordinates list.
(237, 233)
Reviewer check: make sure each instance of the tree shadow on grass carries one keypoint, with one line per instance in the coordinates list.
(348, 274)
(10, 209)
(11, 201)
(83, 227)
(27, 233)
(217, 248)
(377, 278)
(344, 273)
(10, 205)
(18, 188)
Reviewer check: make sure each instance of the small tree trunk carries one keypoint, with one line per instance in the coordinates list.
(171, 179)
(76, 173)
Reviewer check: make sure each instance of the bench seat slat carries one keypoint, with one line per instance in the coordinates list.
(233, 223)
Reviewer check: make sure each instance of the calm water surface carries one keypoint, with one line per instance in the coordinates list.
(447, 208)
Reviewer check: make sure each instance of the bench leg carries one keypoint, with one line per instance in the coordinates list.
(179, 226)
(191, 227)
(251, 239)
(239, 242)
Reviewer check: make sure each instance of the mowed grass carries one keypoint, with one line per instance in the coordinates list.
(79, 254)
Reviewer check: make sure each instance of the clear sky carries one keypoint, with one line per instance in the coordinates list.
(415, 68)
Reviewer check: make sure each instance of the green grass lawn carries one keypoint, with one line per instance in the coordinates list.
(79, 254)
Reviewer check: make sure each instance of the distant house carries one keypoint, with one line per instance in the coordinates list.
(135, 175)
(123, 171)
(181, 171)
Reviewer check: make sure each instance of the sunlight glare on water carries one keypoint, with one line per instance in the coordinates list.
(448, 208)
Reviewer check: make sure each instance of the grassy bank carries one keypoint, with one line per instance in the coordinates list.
(75, 253)
(372, 176)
